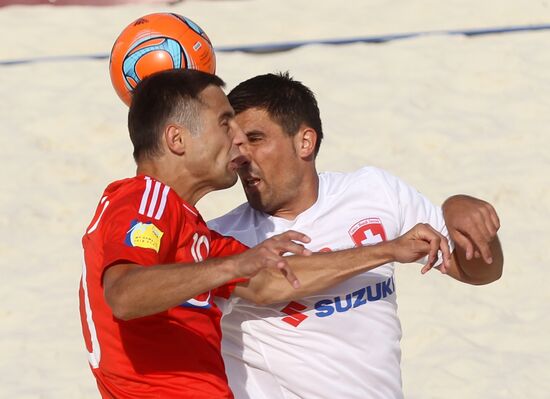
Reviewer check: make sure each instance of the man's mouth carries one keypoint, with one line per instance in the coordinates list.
(251, 181)
(238, 162)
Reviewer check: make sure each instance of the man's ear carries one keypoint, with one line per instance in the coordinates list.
(305, 141)
(175, 137)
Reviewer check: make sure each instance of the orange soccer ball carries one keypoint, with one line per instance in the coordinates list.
(157, 42)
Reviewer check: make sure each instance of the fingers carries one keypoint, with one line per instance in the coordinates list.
(474, 228)
(465, 243)
(283, 266)
(432, 258)
(433, 241)
(294, 236)
(267, 259)
(495, 218)
(294, 248)
(492, 224)
(481, 238)
(474, 239)
(273, 249)
(288, 244)
(285, 243)
(436, 242)
(492, 221)
(446, 253)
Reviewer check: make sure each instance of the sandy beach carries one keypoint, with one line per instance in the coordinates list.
(447, 113)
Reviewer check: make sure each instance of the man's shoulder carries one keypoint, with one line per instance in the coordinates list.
(365, 174)
(142, 197)
(240, 217)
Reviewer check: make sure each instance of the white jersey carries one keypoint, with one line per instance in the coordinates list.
(342, 342)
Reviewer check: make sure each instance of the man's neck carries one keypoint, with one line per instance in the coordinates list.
(181, 184)
(305, 198)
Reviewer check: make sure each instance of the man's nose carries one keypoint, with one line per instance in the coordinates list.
(239, 138)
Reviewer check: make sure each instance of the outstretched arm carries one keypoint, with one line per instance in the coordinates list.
(134, 291)
(473, 225)
(322, 270)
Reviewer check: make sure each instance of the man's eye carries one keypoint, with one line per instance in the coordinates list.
(253, 138)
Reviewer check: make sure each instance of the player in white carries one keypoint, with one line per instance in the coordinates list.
(344, 341)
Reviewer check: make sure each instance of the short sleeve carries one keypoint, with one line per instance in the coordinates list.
(132, 234)
(222, 246)
(412, 208)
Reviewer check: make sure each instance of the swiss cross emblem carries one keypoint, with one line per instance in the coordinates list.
(367, 232)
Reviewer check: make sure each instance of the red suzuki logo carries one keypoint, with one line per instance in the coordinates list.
(293, 310)
(367, 232)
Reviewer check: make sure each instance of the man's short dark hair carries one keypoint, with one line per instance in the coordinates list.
(162, 98)
(287, 101)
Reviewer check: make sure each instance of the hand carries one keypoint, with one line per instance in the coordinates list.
(270, 252)
(472, 224)
(420, 241)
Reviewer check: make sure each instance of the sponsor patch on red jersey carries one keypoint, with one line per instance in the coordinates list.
(144, 235)
(368, 231)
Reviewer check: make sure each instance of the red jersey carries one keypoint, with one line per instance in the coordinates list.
(171, 354)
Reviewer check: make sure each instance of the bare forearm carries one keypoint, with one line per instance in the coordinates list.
(315, 273)
(135, 291)
(476, 271)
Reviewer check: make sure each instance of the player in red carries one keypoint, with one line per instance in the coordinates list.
(152, 267)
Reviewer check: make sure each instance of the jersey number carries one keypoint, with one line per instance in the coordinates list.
(199, 241)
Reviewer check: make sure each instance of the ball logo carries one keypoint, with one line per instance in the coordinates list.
(368, 231)
(140, 21)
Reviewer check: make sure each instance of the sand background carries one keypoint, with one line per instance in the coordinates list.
(448, 114)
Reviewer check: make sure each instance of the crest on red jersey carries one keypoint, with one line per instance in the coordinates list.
(368, 231)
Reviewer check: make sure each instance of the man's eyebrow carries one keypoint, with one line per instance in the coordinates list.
(226, 115)
(255, 131)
